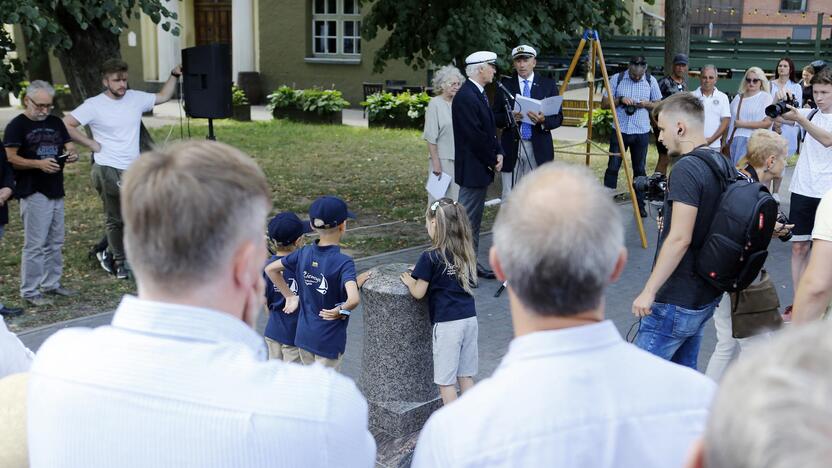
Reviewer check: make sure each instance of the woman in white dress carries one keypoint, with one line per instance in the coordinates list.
(786, 78)
(439, 129)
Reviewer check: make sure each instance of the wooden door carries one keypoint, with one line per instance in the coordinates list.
(212, 21)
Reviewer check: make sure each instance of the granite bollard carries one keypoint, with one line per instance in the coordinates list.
(397, 366)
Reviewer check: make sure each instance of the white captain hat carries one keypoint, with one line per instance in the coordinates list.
(482, 56)
(523, 51)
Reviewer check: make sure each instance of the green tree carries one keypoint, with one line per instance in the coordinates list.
(422, 32)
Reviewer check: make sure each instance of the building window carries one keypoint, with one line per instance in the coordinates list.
(336, 28)
(802, 33)
(793, 5)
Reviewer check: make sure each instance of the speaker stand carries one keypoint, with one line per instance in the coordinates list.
(211, 130)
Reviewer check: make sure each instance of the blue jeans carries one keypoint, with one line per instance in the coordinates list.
(637, 144)
(674, 333)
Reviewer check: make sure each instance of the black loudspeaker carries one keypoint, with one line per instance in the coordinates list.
(207, 81)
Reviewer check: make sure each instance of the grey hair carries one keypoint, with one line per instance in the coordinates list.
(773, 406)
(443, 75)
(709, 66)
(40, 85)
(474, 69)
(558, 238)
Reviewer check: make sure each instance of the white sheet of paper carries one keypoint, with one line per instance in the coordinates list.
(437, 186)
(549, 106)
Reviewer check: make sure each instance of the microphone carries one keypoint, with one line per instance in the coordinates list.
(505, 90)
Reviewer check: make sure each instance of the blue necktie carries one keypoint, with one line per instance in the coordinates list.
(526, 128)
(485, 99)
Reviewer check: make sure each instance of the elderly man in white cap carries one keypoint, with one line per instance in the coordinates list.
(477, 152)
(527, 145)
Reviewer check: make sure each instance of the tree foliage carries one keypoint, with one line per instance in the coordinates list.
(59, 25)
(423, 32)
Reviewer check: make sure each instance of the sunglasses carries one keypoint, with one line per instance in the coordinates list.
(752, 80)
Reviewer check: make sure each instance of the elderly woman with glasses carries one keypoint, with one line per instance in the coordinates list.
(748, 111)
(439, 129)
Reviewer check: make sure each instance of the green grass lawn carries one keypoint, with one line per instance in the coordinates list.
(379, 172)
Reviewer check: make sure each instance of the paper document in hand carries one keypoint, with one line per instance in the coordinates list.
(437, 186)
(549, 106)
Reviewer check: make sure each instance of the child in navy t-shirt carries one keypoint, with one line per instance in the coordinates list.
(327, 286)
(445, 273)
(286, 232)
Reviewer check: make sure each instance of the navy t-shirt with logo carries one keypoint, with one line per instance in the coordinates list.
(281, 326)
(37, 140)
(322, 274)
(447, 300)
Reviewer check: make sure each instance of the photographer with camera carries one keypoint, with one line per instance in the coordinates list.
(812, 176)
(765, 161)
(676, 301)
(635, 92)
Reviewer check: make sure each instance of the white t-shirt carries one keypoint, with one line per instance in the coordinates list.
(753, 109)
(823, 219)
(115, 125)
(813, 173)
(716, 108)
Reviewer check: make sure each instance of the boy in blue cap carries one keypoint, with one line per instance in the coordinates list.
(327, 286)
(286, 232)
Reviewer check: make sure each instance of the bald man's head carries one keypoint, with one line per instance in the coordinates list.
(558, 239)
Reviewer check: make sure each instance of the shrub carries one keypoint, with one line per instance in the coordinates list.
(60, 90)
(602, 123)
(238, 96)
(321, 101)
(402, 107)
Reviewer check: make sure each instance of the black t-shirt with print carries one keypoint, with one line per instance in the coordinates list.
(37, 140)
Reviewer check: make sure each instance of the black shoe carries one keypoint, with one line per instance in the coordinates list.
(6, 311)
(122, 272)
(642, 211)
(105, 258)
(483, 272)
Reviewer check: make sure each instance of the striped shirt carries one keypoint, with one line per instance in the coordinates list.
(173, 385)
(639, 90)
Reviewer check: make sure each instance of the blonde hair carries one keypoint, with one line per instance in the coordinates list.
(453, 241)
(766, 86)
(187, 208)
(762, 144)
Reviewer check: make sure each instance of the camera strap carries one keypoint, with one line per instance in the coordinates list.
(811, 114)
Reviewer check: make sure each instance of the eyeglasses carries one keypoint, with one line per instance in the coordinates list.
(752, 80)
(639, 64)
(46, 107)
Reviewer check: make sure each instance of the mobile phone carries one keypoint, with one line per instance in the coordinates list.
(62, 158)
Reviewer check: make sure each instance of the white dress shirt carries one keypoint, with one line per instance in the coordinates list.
(576, 397)
(520, 81)
(175, 386)
(14, 356)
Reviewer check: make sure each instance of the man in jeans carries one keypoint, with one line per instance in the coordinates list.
(676, 302)
(115, 118)
(37, 146)
(634, 93)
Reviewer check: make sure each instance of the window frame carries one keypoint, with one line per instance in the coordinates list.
(802, 9)
(341, 19)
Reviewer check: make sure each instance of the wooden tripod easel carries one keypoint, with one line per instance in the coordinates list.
(596, 54)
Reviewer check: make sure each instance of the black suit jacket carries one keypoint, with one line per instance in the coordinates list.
(541, 88)
(6, 180)
(475, 138)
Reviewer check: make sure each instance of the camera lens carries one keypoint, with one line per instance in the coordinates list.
(629, 110)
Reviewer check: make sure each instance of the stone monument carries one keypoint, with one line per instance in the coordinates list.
(397, 366)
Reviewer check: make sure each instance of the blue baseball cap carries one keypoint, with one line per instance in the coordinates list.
(285, 228)
(327, 212)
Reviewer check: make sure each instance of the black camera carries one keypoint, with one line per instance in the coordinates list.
(778, 109)
(630, 110)
(782, 219)
(653, 187)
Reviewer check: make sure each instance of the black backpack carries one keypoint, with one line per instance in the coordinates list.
(735, 247)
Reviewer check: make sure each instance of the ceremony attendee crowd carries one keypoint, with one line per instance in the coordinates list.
(182, 378)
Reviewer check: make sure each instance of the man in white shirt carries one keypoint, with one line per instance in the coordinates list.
(115, 118)
(180, 378)
(717, 106)
(15, 357)
(570, 391)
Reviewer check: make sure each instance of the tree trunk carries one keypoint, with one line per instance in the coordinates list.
(37, 59)
(676, 31)
(91, 47)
